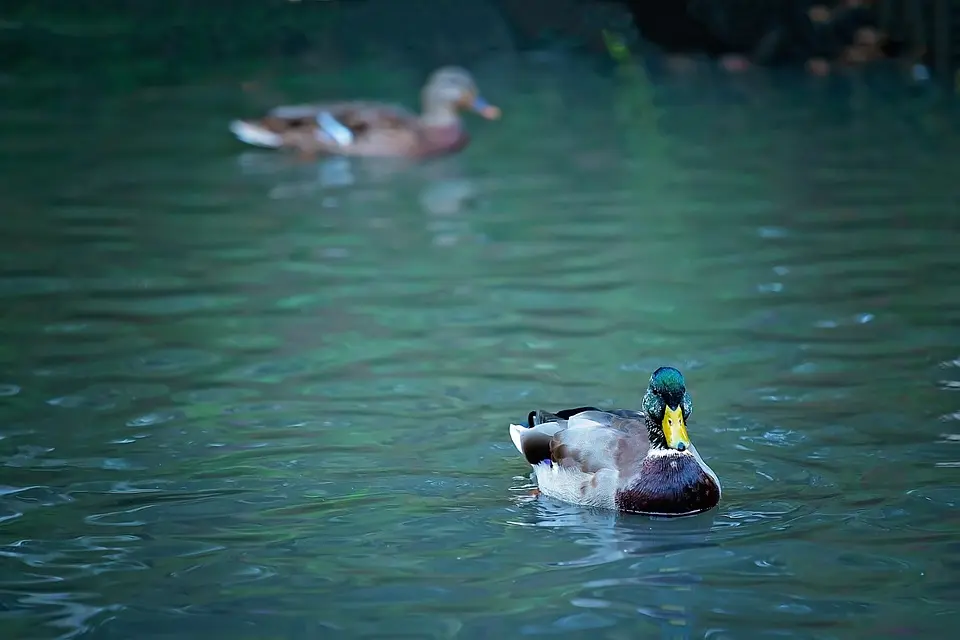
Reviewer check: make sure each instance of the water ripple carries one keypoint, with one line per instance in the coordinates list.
(224, 411)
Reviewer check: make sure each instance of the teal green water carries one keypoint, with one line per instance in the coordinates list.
(248, 398)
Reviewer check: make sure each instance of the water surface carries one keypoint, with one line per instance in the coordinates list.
(255, 398)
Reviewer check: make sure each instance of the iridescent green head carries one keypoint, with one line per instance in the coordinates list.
(668, 407)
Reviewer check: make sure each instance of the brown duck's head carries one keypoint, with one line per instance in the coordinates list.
(667, 406)
(454, 88)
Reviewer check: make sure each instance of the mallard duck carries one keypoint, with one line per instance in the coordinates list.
(372, 128)
(634, 461)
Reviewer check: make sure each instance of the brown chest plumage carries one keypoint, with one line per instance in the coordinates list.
(670, 485)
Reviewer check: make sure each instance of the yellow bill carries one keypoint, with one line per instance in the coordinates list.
(675, 429)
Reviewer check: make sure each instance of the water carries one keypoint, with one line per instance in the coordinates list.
(253, 398)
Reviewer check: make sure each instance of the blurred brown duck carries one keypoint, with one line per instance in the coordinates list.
(360, 128)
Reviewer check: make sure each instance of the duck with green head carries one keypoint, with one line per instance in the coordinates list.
(633, 461)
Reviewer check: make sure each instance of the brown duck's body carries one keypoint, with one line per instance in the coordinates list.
(632, 461)
(373, 129)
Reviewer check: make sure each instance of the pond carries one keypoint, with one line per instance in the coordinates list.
(251, 397)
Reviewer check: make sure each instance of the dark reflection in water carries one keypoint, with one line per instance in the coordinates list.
(247, 397)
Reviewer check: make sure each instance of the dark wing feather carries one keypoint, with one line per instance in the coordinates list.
(539, 416)
(536, 446)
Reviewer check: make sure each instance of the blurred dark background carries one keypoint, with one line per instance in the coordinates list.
(167, 40)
